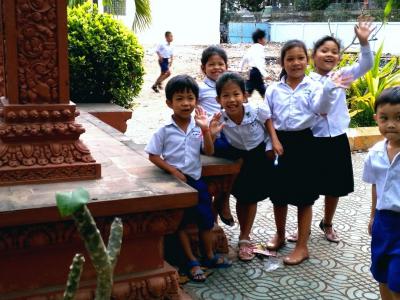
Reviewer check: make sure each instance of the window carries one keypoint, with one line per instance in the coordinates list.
(118, 8)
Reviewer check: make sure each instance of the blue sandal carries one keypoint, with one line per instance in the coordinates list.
(218, 261)
(196, 275)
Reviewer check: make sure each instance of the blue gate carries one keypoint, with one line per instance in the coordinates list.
(241, 32)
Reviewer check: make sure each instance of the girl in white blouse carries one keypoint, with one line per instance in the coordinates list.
(295, 101)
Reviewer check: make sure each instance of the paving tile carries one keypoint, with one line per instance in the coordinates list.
(333, 272)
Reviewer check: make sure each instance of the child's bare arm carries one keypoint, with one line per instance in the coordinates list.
(363, 30)
(373, 208)
(202, 121)
(276, 144)
(162, 164)
(215, 125)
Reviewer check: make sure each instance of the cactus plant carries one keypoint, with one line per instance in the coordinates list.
(74, 276)
(103, 259)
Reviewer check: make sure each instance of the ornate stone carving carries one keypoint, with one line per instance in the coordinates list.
(41, 235)
(37, 57)
(38, 133)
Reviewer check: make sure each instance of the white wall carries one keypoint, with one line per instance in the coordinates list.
(310, 32)
(192, 22)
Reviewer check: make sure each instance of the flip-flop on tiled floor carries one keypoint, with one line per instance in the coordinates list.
(333, 272)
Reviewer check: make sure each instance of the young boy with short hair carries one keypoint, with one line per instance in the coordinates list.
(165, 58)
(255, 59)
(175, 148)
(382, 170)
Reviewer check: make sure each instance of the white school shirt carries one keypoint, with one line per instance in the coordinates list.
(251, 132)
(378, 170)
(255, 58)
(165, 50)
(338, 119)
(207, 97)
(295, 110)
(179, 149)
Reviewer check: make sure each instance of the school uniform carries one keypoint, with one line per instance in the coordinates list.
(247, 141)
(293, 114)
(165, 50)
(255, 59)
(182, 150)
(208, 97)
(336, 179)
(385, 243)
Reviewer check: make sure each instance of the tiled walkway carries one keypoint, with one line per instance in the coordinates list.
(334, 271)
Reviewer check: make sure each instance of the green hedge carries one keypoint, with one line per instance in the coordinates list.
(105, 58)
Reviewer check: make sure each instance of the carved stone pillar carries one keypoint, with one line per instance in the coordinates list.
(39, 138)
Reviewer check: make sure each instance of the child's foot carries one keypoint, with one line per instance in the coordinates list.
(217, 261)
(155, 88)
(194, 271)
(245, 250)
(159, 85)
(276, 243)
(296, 257)
(330, 233)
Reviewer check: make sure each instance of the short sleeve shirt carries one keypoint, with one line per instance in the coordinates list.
(251, 132)
(165, 50)
(207, 97)
(385, 175)
(178, 148)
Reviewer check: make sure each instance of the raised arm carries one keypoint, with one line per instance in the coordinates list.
(202, 121)
(362, 30)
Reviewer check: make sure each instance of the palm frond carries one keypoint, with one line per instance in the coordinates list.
(142, 15)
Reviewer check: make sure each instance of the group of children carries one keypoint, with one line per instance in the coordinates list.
(293, 148)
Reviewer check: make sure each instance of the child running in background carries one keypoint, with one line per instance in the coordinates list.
(294, 101)
(244, 129)
(255, 58)
(175, 148)
(382, 170)
(165, 57)
(336, 175)
(214, 62)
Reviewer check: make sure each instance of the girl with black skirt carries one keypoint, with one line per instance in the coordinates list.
(243, 126)
(294, 102)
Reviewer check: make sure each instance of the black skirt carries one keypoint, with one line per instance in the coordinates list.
(335, 169)
(294, 177)
(253, 183)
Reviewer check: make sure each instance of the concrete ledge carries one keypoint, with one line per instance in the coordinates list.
(363, 138)
(112, 114)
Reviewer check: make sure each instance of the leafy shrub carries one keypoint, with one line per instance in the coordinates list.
(366, 89)
(105, 58)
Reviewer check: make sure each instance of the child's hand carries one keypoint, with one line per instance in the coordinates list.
(371, 221)
(201, 118)
(277, 147)
(215, 125)
(363, 30)
(178, 174)
(342, 81)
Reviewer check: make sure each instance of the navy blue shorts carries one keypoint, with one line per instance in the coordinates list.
(255, 82)
(385, 249)
(164, 65)
(201, 214)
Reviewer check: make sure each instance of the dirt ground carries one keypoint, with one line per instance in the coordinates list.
(151, 111)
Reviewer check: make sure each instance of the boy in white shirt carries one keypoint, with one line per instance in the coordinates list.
(175, 148)
(382, 170)
(255, 59)
(165, 58)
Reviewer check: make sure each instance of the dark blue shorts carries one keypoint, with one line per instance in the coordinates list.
(385, 249)
(201, 214)
(164, 65)
(255, 82)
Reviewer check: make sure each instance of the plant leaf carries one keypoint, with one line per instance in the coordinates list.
(388, 9)
(70, 202)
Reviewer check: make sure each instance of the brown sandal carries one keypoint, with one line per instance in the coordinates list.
(332, 236)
